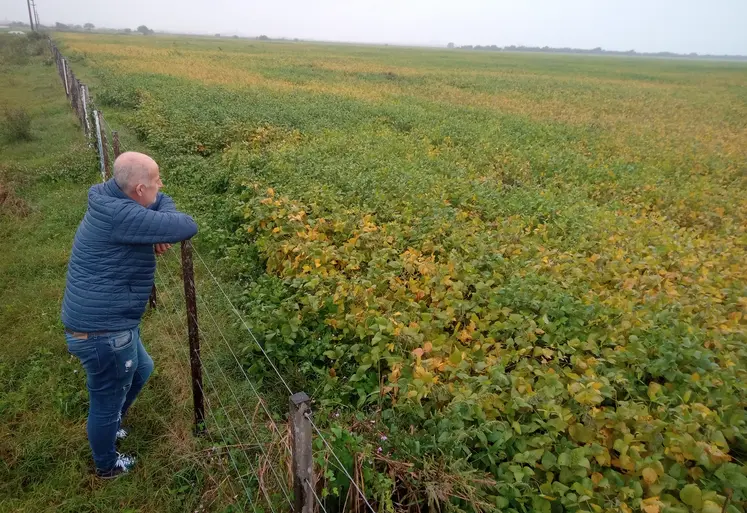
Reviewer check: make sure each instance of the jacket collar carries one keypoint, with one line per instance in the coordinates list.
(112, 189)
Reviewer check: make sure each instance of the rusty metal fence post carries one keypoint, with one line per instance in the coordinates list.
(190, 298)
(303, 463)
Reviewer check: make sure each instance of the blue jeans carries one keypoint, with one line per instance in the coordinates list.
(117, 366)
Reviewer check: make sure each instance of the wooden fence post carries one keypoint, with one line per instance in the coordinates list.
(115, 144)
(153, 298)
(86, 102)
(64, 76)
(96, 120)
(79, 106)
(303, 463)
(104, 147)
(190, 298)
(74, 98)
(69, 80)
(84, 105)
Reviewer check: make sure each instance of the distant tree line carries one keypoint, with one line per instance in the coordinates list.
(593, 51)
(88, 27)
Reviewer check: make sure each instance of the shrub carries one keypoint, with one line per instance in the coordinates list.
(17, 124)
(37, 47)
(14, 51)
(37, 36)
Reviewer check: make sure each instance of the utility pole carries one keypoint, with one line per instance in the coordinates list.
(31, 18)
(36, 14)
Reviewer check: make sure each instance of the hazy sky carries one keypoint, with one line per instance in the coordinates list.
(703, 26)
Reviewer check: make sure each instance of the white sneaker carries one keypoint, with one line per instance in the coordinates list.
(121, 467)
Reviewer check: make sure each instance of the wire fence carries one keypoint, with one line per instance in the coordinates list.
(265, 463)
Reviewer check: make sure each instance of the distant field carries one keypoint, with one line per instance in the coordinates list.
(530, 269)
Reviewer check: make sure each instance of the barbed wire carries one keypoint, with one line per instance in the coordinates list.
(318, 500)
(210, 409)
(184, 368)
(307, 415)
(342, 467)
(235, 310)
(233, 393)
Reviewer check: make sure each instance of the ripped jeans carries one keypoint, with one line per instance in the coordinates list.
(117, 366)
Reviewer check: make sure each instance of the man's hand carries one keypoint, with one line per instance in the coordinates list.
(161, 248)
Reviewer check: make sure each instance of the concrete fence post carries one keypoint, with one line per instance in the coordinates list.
(303, 463)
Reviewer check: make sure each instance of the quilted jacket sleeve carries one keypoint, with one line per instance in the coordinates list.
(133, 224)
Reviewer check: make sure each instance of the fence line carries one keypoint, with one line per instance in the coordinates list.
(180, 361)
(95, 128)
(235, 397)
(245, 324)
(210, 409)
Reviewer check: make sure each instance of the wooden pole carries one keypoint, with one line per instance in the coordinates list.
(74, 99)
(153, 298)
(190, 298)
(104, 148)
(303, 464)
(115, 144)
(84, 103)
(64, 76)
(31, 18)
(59, 61)
(96, 119)
(36, 17)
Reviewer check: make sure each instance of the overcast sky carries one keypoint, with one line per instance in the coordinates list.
(683, 26)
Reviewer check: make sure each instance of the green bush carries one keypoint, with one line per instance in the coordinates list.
(37, 47)
(14, 51)
(37, 36)
(17, 124)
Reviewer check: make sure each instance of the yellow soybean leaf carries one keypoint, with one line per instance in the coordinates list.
(653, 390)
(649, 475)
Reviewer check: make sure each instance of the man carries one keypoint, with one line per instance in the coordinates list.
(109, 279)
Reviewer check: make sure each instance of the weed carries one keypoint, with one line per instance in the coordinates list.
(17, 124)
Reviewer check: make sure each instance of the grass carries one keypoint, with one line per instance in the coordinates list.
(45, 462)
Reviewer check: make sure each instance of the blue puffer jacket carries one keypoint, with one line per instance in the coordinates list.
(112, 264)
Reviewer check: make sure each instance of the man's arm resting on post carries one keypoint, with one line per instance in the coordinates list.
(163, 203)
(133, 224)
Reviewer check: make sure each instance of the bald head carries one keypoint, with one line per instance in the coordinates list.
(138, 176)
